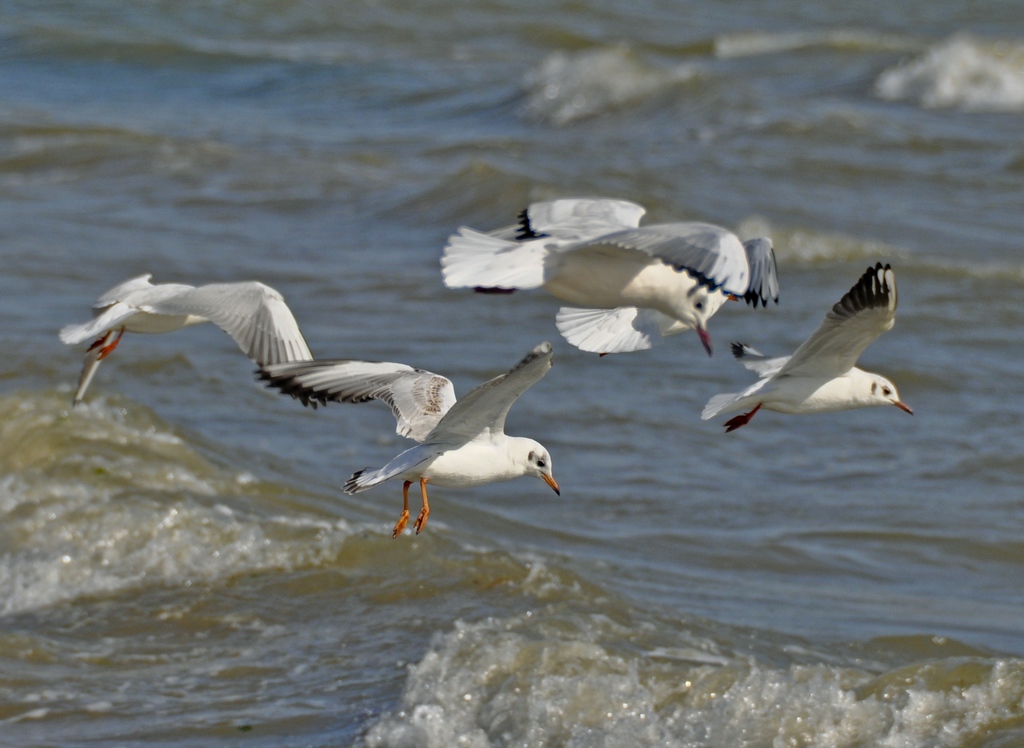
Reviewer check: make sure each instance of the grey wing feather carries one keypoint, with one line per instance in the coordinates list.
(711, 254)
(764, 280)
(577, 219)
(418, 398)
(865, 312)
(485, 408)
(122, 290)
(254, 314)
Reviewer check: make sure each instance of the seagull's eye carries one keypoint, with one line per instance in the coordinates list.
(886, 391)
(540, 463)
(699, 305)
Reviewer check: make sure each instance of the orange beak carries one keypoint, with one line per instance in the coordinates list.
(904, 407)
(551, 482)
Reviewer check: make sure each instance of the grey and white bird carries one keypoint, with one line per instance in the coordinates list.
(462, 442)
(821, 376)
(630, 285)
(255, 315)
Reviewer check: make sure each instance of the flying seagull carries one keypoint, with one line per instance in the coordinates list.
(820, 376)
(630, 285)
(253, 314)
(461, 443)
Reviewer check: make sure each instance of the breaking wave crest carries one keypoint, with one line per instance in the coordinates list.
(103, 498)
(962, 72)
(567, 87)
(549, 677)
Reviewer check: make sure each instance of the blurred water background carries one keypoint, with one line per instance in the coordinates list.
(178, 564)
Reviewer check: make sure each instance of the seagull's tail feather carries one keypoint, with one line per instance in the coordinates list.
(719, 403)
(410, 458)
(75, 334)
(361, 480)
(473, 259)
(618, 330)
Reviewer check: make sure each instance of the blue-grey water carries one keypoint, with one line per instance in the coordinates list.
(178, 563)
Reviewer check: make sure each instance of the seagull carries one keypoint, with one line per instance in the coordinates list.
(630, 284)
(253, 314)
(461, 443)
(820, 376)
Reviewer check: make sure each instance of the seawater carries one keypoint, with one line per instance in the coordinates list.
(178, 564)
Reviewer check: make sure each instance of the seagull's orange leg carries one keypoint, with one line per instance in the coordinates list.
(104, 344)
(741, 420)
(404, 519)
(425, 511)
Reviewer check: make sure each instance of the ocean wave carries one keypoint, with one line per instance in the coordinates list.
(104, 498)
(550, 678)
(962, 72)
(750, 43)
(567, 87)
(796, 244)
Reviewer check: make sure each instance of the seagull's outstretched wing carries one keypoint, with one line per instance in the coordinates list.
(253, 314)
(578, 219)
(484, 408)
(418, 398)
(713, 255)
(865, 312)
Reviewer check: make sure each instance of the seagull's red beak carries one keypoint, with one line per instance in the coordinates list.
(903, 406)
(705, 339)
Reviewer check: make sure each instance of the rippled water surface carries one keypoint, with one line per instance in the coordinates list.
(178, 563)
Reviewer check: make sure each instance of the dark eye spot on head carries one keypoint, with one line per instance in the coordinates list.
(886, 391)
(532, 456)
(874, 387)
(540, 463)
(699, 305)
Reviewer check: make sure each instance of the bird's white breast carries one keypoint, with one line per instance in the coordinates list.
(474, 464)
(607, 278)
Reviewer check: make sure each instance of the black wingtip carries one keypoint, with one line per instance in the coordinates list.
(287, 386)
(738, 349)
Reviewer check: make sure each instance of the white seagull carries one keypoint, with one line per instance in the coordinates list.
(253, 314)
(636, 283)
(462, 443)
(820, 376)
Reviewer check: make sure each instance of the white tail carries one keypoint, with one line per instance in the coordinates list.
(473, 259)
(719, 403)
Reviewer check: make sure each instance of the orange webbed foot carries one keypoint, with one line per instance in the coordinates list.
(401, 523)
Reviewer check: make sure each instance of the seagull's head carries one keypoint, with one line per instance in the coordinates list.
(538, 463)
(703, 304)
(883, 392)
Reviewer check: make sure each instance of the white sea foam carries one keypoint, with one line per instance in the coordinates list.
(104, 499)
(749, 43)
(566, 87)
(962, 72)
(537, 681)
